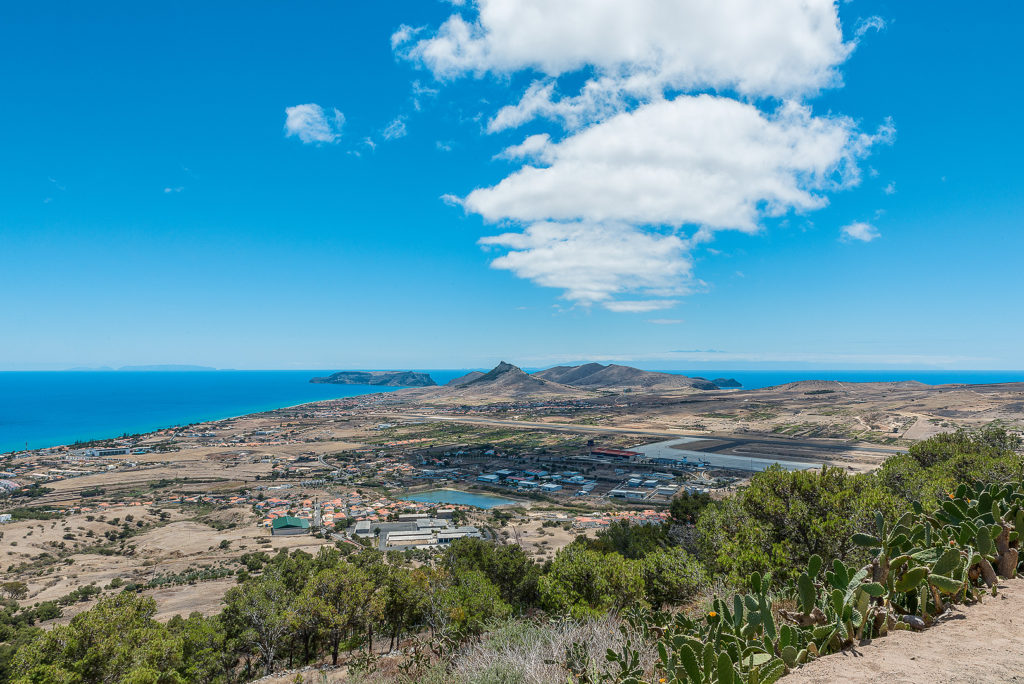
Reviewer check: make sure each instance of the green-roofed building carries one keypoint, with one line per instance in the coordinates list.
(289, 525)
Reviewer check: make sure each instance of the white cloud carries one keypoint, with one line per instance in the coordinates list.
(594, 263)
(650, 163)
(859, 230)
(403, 35)
(870, 24)
(639, 306)
(312, 125)
(890, 189)
(666, 321)
(778, 48)
(703, 160)
(396, 129)
(533, 146)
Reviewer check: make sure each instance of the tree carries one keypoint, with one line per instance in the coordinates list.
(336, 600)
(263, 605)
(471, 601)
(671, 577)
(403, 599)
(14, 590)
(505, 565)
(686, 507)
(632, 541)
(783, 518)
(584, 583)
(115, 641)
(208, 654)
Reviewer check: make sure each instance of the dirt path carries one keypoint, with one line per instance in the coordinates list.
(980, 643)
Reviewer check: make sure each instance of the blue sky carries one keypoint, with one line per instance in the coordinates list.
(681, 210)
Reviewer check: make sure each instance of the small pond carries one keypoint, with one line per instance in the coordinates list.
(454, 496)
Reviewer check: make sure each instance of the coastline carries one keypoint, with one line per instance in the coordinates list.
(46, 414)
(70, 408)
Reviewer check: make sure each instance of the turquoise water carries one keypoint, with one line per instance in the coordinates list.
(454, 496)
(45, 408)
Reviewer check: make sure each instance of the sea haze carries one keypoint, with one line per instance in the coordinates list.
(46, 408)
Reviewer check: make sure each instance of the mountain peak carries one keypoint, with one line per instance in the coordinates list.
(503, 368)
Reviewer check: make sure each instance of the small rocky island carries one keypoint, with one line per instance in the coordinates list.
(378, 378)
(726, 383)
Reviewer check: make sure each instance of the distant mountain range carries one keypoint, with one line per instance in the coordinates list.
(506, 381)
(150, 367)
(378, 378)
(612, 376)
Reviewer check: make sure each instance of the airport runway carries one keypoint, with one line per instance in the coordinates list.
(601, 429)
(754, 464)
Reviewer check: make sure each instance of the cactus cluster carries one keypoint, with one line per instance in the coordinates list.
(920, 564)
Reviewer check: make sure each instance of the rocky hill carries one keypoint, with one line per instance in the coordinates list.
(378, 378)
(463, 379)
(613, 376)
(511, 381)
(830, 386)
(502, 383)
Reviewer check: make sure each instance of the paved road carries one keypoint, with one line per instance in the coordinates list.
(601, 429)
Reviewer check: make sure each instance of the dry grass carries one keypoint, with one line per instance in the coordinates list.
(536, 653)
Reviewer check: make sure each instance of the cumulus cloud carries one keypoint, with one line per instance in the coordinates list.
(704, 160)
(859, 230)
(593, 263)
(312, 125)
(780, 48)
(679, 119)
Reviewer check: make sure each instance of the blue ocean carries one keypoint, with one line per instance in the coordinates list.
(46, 408)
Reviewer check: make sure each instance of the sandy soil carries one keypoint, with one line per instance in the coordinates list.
(175, 547)
(205, 598)
(539, 542)
(981, 643)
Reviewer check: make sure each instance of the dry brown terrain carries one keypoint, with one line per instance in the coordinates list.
(173, 547)
(882, 414)
(980, 643)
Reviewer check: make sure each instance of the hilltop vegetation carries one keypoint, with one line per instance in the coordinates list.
(808, 561)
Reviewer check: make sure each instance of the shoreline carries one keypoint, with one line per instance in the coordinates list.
(145, 428)
(144, 432)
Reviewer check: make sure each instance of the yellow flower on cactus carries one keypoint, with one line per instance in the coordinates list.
(712, 614)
